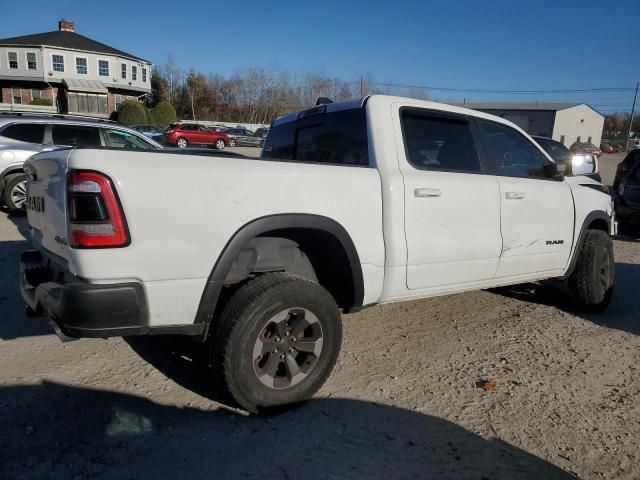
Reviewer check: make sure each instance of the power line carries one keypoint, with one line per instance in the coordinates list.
(520, 92)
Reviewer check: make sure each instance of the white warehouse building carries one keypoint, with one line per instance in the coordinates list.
(565, 122)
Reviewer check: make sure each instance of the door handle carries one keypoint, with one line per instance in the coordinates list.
(427, 192)
(514, 195)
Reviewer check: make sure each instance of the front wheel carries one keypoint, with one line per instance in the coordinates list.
(182, 143)
(220, 144)
(277, 341)
(593, 276)
(15, 192)
(232, 142)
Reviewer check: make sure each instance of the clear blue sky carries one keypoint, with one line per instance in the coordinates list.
(512, 45)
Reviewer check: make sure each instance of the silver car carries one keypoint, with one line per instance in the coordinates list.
(23, 135)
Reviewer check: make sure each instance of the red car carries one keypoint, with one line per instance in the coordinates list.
(607, 148)
(185, 134)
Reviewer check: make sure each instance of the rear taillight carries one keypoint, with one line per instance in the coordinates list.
(96, 219)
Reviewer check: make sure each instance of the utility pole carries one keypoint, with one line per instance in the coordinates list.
(633, 110)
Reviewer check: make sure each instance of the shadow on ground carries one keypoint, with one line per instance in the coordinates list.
(13, 321)
(622, 314)
(58, 431)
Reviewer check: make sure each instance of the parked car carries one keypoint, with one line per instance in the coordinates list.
(583, 148)
(271, 251)
(625, 166)
(627, 193)
(243, 137)
(184, 134)
(262, 132)
(152, 131)
(22, 135)
(562, 155)
(607, 148)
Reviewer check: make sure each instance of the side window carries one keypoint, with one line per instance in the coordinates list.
(120, 139)
(75, 135)
(440, 143)
(25, 132)
(511, 154)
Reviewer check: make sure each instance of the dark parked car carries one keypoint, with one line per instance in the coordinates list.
(560, 153)
(184, 134)
(262, 132)
(243, 137)
(152, 131)
(625, 166)
(627, 191)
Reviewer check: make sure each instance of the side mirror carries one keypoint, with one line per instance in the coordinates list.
(583, 164)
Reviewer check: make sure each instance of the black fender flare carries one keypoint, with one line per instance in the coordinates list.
(262, 225)
(588, 220)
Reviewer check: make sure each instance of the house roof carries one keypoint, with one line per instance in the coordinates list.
(519, 106)
(66, 39)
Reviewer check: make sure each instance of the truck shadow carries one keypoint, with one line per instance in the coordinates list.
(13, 321)
(622, 314)
(52, 430)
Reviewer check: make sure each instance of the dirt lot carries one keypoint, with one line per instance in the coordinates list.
(403, 401)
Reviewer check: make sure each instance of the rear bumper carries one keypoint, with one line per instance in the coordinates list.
(78, 308)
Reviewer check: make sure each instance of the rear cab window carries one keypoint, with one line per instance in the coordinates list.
(25, 132)
(317, 136)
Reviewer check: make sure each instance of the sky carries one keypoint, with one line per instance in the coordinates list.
(492, 45)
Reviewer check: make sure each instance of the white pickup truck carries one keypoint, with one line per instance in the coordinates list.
(351, 204)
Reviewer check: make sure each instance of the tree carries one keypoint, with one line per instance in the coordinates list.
(164, 113)
(195, 89)
(132, 112)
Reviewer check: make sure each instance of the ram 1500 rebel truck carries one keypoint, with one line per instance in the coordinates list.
(351, 204)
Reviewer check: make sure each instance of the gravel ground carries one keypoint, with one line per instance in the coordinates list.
(405, 400)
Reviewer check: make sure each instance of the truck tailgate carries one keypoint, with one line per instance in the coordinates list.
(46, 204)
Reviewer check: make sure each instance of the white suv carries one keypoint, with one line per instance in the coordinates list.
(23, 135)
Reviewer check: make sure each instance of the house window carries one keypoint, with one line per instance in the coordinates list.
(103, 68)
(91, 103)
(36, 93)
(58, 63)
(134, 72)
(81, 66)
(16, 95)
(123, 71)
(13, 60)
(31, 61)
(144, 74)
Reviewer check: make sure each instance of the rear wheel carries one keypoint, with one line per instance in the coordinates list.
(182, 142)
(220, 144)
(15, 192)
(593, 276)
(277, 341)
(232, 142)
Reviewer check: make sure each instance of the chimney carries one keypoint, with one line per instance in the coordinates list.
(66, 26)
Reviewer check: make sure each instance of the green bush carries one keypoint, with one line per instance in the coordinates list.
(42, 101)
(164, 113)
(151, 117)
(132, 112)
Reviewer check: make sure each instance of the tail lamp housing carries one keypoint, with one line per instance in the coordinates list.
(95, 216)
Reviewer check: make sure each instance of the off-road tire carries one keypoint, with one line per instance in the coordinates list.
(242, 320)
(10, 183)
(592, 279)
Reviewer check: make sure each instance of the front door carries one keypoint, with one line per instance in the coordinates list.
(537, 212)
(452, 208)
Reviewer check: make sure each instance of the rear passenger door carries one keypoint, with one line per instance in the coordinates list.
(452, 207)
(536, 211)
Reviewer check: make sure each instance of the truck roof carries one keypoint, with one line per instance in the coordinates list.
(389, 100)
